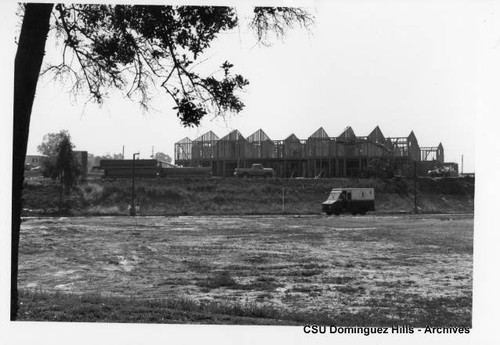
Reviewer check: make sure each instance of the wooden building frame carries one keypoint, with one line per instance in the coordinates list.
(320, 155)
(432, 153)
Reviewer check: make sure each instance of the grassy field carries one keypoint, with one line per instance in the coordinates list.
(232, 196)
(372, 270)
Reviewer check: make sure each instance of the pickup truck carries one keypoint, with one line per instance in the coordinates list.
(439, 172)
(257, 170)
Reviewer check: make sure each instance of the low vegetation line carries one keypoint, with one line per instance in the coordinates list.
(231, 196)
(93, 307)
(37, 305)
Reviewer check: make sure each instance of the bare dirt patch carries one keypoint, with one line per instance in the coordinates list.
(405, 268)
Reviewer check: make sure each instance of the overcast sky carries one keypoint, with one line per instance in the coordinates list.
(400, 65)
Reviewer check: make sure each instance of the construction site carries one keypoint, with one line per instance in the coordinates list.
(318, 156)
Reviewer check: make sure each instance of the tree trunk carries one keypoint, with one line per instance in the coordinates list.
(29, 57)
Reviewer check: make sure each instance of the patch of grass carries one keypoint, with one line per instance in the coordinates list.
(220, 279)
(419, 311)
(224, 280)
(338, 280)
(32, 250)
(219, 199)
(256, 259)
(351, 290)
(91, 192)
(93, 307)
(262, 284)
(305, 272)
(313, 265)
(198, 266)
(57, 306)
(308, 289)
(106, 210)
(264, 296)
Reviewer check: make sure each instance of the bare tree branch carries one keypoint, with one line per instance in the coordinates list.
(132, 47)
(276, 21)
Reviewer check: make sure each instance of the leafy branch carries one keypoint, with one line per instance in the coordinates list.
(132, 48)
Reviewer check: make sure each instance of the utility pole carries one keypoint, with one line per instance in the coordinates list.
(123, 152)
(415, 208)
(283, 200)
(132, 206)
(462, 164)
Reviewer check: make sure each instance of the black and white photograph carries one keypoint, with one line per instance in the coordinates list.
(239, 172)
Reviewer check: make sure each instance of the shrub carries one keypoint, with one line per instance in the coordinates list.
(92, 192)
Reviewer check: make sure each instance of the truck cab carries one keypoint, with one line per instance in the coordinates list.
(353, 200)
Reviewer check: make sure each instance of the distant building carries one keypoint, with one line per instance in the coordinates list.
(33, 165)
(32, 161)
(320, 155)
(82, 159)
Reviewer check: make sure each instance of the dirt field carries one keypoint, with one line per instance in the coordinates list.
(408, 269)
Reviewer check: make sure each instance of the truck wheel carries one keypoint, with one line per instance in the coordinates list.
(245, 176)
(336, 212)
(362, 211)
(329, 212)
(354, 212)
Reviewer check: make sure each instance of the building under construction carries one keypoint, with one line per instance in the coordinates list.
(320, 155)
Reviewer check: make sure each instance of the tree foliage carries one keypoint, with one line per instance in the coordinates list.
(135, 48)
(275, 21)
(163, 157)
(60, 162)
(66, 164)
(50, 143)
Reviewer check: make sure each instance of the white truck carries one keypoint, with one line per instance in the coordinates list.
(354, 200)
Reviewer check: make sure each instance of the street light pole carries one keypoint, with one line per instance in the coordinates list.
(415, 174)
(132, 206)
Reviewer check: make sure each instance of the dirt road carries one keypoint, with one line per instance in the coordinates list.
(401, 266)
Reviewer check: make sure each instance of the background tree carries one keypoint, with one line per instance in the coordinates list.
(107, 155)
(67, 167)
(50, 148)
(50, 143)
(60, 163)
(130, 48)
(163, 157)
